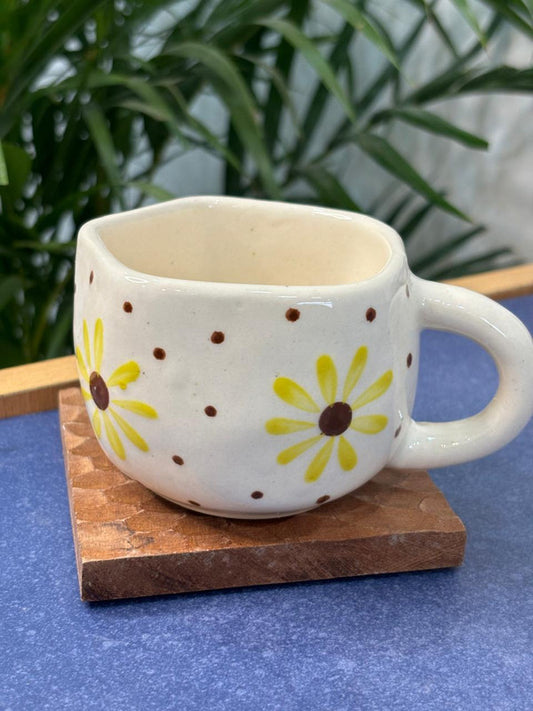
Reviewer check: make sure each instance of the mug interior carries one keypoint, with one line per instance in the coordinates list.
(248, 242)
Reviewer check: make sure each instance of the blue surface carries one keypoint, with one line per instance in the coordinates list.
(451, 639)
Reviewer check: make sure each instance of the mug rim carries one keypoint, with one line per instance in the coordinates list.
(90, 232)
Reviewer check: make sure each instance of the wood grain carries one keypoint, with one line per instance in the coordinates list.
(499, 284)
(34, 387)
(131, 543)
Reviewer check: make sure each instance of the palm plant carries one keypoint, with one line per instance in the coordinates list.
(97, 95)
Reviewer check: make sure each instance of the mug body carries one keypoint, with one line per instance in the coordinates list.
(245, 358)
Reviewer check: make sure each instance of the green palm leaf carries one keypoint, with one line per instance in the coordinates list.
(103, 141)
(466, 11)
(4, 179)
(383, 153)
(230, 86)
(328, 188)
(97, 96)
(433, 123)
(309, 51)
(362, 23)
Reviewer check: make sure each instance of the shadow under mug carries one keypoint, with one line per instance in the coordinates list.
(256, 359)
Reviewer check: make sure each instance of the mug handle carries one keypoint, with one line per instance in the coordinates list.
(508, 341)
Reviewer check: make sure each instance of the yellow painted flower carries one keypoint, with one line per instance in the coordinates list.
(100, 392)
(335, 419)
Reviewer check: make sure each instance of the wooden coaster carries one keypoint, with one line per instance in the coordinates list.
(130, 542)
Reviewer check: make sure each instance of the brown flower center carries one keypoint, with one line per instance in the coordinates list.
(99, 390)
(335, 419)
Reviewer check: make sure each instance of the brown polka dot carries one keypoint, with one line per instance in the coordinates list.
(370, 314)
(193, 503)
(398, 431)
(210, 411)
(160, 353)
(217, 337)
(257, 495)
(407, 290)
(177, 459)
(409, 360)
(128, 308)
(323, 499)
(91, 277)
(292, 315)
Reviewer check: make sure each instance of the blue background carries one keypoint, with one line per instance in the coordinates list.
(449, 639)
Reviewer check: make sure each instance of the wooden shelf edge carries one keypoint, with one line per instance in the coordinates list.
(499, 284)
(35, 387)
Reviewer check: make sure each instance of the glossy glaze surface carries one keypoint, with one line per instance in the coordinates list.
(265, 399)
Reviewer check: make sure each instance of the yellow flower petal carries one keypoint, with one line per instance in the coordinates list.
(81, 364)
(374, 391)
(97, 423)
(370, 424)
(98, 344)
(129, 431)
(354, 373)
(124, 374)
(86, 395)
(347, 455)
(112, 436)
(292, 452)
(282, 426)
(317, 466)
(139, 408)
(86, 343)
(294, 395)
(326, 374)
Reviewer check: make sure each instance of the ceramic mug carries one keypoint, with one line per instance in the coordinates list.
(256, 359)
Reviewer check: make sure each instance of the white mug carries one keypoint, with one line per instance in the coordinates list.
(256, 359)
